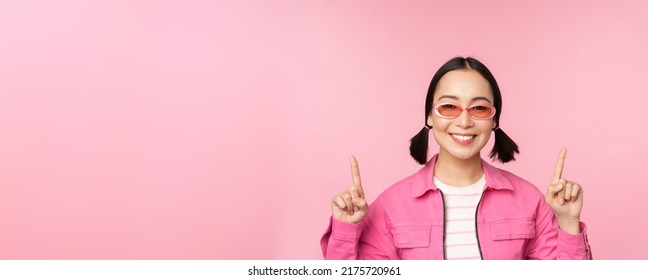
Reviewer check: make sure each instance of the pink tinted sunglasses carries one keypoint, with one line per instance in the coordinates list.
(452, 111)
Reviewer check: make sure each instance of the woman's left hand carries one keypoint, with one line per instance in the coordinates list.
(565, 198)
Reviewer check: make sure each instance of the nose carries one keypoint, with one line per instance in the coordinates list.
(464, 120)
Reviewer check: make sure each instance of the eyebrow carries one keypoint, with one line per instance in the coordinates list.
(457, 98)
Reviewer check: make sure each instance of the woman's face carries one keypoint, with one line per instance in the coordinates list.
(462, 137)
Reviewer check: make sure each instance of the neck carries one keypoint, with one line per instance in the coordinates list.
(458, 172)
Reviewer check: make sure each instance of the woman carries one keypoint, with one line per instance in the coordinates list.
(458, 206)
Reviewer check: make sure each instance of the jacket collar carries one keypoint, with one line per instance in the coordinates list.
(423, 179)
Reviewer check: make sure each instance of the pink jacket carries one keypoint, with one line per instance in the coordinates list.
(407, 222)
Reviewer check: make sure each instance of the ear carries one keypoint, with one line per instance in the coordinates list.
(429, 121)
(494, 124)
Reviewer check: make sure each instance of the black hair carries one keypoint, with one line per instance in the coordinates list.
(504, 147)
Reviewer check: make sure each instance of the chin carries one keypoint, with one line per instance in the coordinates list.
(465, 155)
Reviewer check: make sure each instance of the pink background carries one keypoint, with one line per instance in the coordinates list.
(202, 130)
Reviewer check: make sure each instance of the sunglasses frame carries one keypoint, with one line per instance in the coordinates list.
(436, 111)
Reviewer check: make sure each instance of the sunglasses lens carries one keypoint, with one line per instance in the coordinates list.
(482, 112)
(449, 110)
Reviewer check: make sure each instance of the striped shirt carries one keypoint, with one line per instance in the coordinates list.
(460, 206)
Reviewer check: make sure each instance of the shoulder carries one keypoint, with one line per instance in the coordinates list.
(519, 184)
(400, 202)
(401, 189)
(515, 196)
(407, 189)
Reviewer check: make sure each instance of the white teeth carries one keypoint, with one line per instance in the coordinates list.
(463, 137)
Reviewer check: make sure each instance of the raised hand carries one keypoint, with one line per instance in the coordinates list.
(565, 197)
(350, 205)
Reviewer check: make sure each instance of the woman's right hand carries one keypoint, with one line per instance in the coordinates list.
(350, 205)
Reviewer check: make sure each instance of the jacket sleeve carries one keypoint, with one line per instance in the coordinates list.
(551, 243)
(368, 240)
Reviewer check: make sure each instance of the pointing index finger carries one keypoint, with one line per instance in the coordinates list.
(355, 170)
(559, 166)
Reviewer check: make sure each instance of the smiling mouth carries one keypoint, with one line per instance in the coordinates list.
(462, 137)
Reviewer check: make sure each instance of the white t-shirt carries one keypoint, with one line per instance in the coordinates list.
(460, 206)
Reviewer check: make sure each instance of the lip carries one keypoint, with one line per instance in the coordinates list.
(463, 142)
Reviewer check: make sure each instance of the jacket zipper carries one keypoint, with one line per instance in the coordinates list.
(444, 226)
(476, 230)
